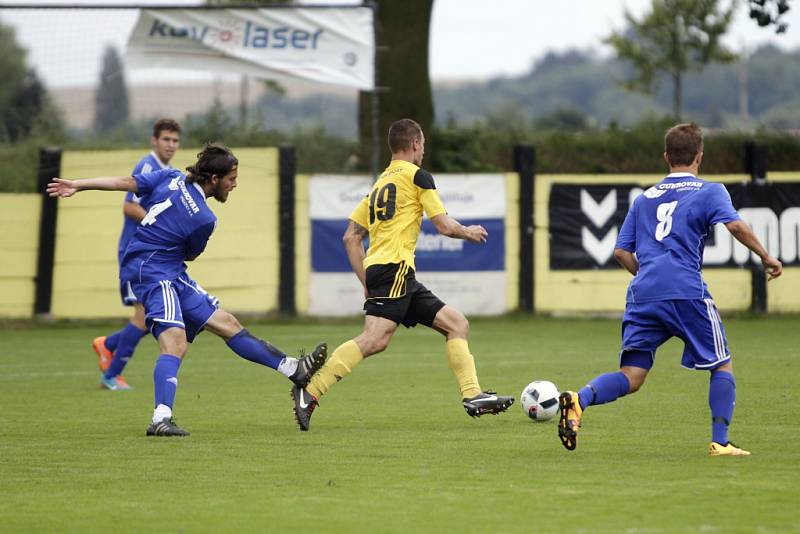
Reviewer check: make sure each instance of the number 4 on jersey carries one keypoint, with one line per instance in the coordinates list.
(664, 215)
(150, 218)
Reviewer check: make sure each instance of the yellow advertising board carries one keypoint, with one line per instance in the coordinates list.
(239, 266)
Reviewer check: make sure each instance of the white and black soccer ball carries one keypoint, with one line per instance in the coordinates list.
(539, 400)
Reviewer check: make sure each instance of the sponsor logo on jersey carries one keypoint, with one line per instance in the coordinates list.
(680, 185)
(186, 198)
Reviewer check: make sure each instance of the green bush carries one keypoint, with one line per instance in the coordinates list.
(19, 167)
(635, 150)
(455, 150)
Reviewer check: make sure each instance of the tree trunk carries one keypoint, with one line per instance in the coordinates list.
(677, 94)
(403, 79)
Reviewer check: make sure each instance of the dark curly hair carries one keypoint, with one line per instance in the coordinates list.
(215, 158)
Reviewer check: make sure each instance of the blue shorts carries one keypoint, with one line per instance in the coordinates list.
(126, 293)
(177, 303)
(648, 325)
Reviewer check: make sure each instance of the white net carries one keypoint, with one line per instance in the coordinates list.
(69, 49)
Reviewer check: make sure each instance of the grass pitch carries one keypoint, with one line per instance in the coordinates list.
(390, 448)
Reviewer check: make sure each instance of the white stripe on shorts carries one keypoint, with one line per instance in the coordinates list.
(719, 344)
(171, 294)
(167, 296)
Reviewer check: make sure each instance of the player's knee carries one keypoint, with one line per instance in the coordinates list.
(636, 377)
(377, 344)
(172, 341)
(232, 323)
(180, 349)
(463, 325)
(224, 324)
(459, 325)
(727, 367)
(452, 322)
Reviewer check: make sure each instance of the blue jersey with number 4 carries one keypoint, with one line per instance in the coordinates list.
(667, 227)
(177, 227)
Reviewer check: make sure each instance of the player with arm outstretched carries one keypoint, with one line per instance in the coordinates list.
(391, 215)
(115, 350)
(661, 244)
(176, 229)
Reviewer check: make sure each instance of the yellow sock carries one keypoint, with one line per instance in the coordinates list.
(339, 365)
(463, 366)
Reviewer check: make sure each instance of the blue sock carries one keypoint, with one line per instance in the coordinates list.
(165, 378)
(112, 341)
(128, 339)
(255, 350)
(604, 388)
(721, 399)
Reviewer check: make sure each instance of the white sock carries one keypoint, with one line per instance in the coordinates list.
(288, 366)
(161, 411)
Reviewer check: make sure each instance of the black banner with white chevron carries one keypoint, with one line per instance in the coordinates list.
(585, 221)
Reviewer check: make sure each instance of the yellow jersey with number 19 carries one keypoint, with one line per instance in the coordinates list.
(392, 212)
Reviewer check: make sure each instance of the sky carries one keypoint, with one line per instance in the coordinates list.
(470, 39)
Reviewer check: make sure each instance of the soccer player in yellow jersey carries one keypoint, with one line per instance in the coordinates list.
(391, 214)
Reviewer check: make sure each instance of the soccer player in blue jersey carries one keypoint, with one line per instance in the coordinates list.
(115, 350)
(175, 229)
(661, 244)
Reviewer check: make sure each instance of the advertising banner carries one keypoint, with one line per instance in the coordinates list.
(470, 276)
(328, 45)
(585, 221)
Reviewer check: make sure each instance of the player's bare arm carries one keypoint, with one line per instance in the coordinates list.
(60, 187)
(627, 259)
(744, 235)
(353, 240)
(450, 227)
(133, 211)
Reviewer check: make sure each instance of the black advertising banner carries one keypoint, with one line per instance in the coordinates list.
(585, 221)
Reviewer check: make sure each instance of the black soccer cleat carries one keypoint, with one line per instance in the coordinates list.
(304, 404)
(487, 402)
(166, 427)
(309, 364)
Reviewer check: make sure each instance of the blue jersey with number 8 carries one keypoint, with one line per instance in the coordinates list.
(667, 227)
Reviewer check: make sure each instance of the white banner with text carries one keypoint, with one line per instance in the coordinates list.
(469, 276)
(324, 44)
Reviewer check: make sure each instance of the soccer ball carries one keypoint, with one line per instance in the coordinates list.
(539, 400)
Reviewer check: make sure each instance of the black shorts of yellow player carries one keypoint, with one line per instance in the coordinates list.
(395, 294)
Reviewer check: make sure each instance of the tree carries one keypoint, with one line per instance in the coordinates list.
(25, 106)
(769, 12)
(214, 125)
(12, 65)
(563, 119)
(111, 97)
(403, 79)
(676, 37)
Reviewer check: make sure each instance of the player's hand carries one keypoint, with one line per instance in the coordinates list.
(60, 187)
(476, 233)
(773, 266)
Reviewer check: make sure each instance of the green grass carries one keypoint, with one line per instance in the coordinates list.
(390, 448)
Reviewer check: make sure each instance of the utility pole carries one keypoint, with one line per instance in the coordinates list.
(744, 96)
